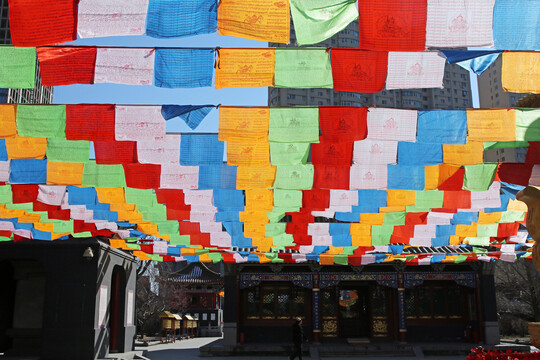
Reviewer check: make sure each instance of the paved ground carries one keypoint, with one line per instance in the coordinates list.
(189, 349)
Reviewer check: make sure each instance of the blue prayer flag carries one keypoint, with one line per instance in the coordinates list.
(442, 126)
(192, 115)
(217, 177)
(183, 68)
(201, 149)
(410, 153)
(406, 177)
(516, 25)
(82, 196)
(28, 171)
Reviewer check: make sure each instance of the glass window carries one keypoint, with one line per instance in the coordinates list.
(275, 301)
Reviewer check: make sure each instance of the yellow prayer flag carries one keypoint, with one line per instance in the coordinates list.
(254, 216)
(325, 259)
(148, 228)
(371, 219)
(11, 213)
(118, 244)
(128, 215)
(8, 120)
(243, 123)
(123, 207)
(141, 255)
(463, 230)
(59, 173)
(30, 218)
(263, 244)
(392, 209)
(111, 195)
(264, 20)
(262, 199)
(358, 229)
(357, 240)
(456, 240)
(254, 229)
(471, 153)
(435, 175)
(489, 218)
(205, 258)
(516, 205)
(47, 227)
(400, 197)
(263, 259)
(521, 72)
(248, 154)
(255, 177)
(246, 67)
(22, 147)
(491, 124)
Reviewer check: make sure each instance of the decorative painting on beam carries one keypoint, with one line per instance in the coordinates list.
(461, 278)
(383, 278)
(248, 280)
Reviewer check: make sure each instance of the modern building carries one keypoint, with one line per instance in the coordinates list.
(39, 94)
(490, 90)
(456, 93)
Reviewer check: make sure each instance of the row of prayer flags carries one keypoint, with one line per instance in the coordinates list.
(341, 69)
(390, 25)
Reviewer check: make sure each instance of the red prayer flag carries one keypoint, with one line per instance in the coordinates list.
(55, 212)
(419, 218)
(173, 198)
(359, 70)
(92, 122)
(457, 199)
(24, 193)
(454, 182)
(332, 153)
(80, 226)
(515, 173)
(115, 152)
(200, 239)
(67, 65)
(142, 176)
(176, 214)
(34, 22)
(331, 177)
(533, 154)
(507, 229)
(402, 234)
(189, 228)
(316, 199)
(392, 25)
(341, 123)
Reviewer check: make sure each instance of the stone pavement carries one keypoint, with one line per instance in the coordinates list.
(189, 349)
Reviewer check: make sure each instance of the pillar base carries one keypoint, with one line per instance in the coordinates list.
(491, 332)
(230, 334)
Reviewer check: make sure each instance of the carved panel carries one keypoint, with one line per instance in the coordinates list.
(330, 328)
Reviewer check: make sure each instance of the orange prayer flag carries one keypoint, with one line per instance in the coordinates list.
(489, 218)
(148, 228)
(260, 198)
(263, 244)
(251, 177)
(400, 197)
(247, 67)
(30, 218)
(64, 173)
(122, 207)
(141, 255)
(254, 216)
(254, 229)
(264, 20)
(8, 123)
(248, 154)
(491, 125)
(471, 153)
(6, 213)
(521, 72)
(456, 240)
(466, 230)
(111, 195)
(118, 244)
(363, 230)
(20, 147)
(204, 258)
(325, 259)
(243, 123)
(357, 240)
(263, 259)
(435, 175)
(371, 219)
(392, 209)
(47, 227)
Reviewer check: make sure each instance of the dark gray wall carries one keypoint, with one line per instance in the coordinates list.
(69, 327)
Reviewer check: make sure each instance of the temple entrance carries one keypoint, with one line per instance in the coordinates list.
(353, 312)
(117, 322)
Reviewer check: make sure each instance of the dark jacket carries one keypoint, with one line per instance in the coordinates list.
(298, 334)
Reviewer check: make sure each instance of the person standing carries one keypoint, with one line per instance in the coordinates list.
(298, 338)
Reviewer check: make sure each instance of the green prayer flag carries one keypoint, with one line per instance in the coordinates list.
(177, 239)
(287, 198)
(62, 150)
(140, 197)
(349, 250)
(276, 214)
(215, 257)
(154, 213)
(479, 250)
(341, 259)
(479, 177)
(289, 153)
(396, 218)
(17, 67)
(133, 246)
(290, 125)
(296, 177)
(487, 230)
(103, 175)
(274, 229)
(168, 227)
(4, 238)
(317, 20)
(461, 258)
(505, 145)
(528, 124)
(283, 240)
(84, 234)
(303, 68)
(6, 196)
(512, 216)
(431, 199)
(155, 257)
(45, 121)
(29, 207)
(381, 234)
(63, 226)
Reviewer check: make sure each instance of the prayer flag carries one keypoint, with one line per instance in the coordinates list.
(244, 67)
(179, 177)
(479, 177)
(391, 124)
(415, 70)
(303, 68)
(8, 120)
(299, 177)
(520, 71)
(103, 175)
(294, 125)
(368, 176)
(61, 173)
(183, 68)
(99, 128)
(98, 18)
(527, 124)
(217, 177)
(20, 147)
(332, 153)
(260, 177)
(41, 120)
(67, 65)
(471, 153)
(287, 153)
(331, 177)
(32, 24)
(139, 123)
(395, 25)
(173, 18)
(62, 150)
(243, 124)
(17, 67)
(264, 20)
(405, 177)
(160, 151)
(442, 126)
(359, 70)
(518, 174)
(28, 171)
(375, 152)
(130, 66)
(248, 153)
(491, 125)
(461, 23)
(115, 152)
(142, 176)
(410, 153)
(515, 25)
(201, 149)
(316, 21)
(343, 123)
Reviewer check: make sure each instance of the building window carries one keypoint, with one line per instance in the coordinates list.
(463, 76)
(464, 93)
(383, 102)
(275, 301)
(320, 93)
(465, 102)
(434, 301)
